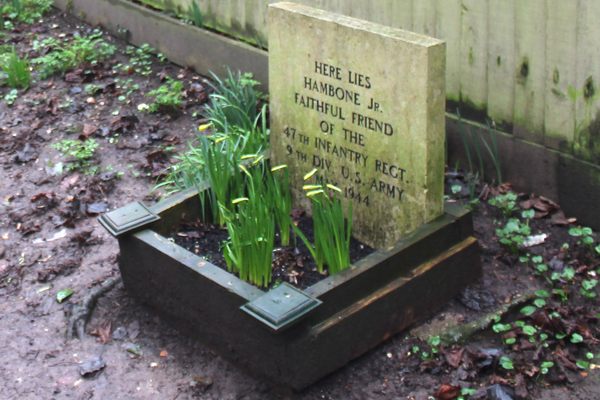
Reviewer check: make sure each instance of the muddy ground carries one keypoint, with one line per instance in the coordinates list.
(50, 241)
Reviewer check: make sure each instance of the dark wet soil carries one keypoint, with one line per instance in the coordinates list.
(292, 264)
(50, 241)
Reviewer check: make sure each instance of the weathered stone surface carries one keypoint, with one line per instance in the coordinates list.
(364, 104)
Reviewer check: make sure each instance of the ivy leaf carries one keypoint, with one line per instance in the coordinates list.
(529, 330)
(510, 341)
(528, 214)
(583, 364)
(539, 303)
(541, 268)
(499, 328)
(568, 273)
(434, 341)
(528, 310)
(576, 338)
(560, 336)
(589, 284)
(545, 367)
(506, 363)
(547, 364)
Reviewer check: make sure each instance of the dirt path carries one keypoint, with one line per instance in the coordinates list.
(50, 241)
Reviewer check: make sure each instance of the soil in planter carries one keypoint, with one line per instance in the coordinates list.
(292, 264)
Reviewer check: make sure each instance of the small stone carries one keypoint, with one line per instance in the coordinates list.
(201, 382)
(120, 333)
(499, 392)
(3, 266)
(90, 100)
(97, 208)
(92, 366)
(133, 329)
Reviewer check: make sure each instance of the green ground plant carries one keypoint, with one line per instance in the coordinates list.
(15, 70)
(79, 154)
(140, 59)
(541, 322)
(67, 55)
(167, 97)
(512, 235)
(583, 234)
(27, 11)
(127, 88)
(10, 97)
(506, 203)
(46, 43)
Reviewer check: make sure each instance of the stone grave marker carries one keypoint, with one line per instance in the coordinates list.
(363, 103)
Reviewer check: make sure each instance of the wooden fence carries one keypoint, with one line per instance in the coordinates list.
(532, 66)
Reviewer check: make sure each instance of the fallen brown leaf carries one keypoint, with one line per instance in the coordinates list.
(447, 392)
(454, 356)
(102, 331)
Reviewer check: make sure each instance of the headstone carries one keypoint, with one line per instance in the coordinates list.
(363, 103)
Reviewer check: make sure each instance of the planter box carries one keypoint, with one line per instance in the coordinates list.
(377, 297)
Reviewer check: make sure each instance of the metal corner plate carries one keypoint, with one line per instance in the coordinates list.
(128, 218)
(281, 307)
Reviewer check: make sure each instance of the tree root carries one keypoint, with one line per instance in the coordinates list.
(460, 333)
(82, 311)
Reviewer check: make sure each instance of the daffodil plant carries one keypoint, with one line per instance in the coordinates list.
(332, 232)
(280, 198)
(251, 229)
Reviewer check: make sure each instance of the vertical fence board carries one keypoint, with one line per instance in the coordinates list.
(561, 73)
(586, 141)
(261, 19)
(210, 15)
(219, 10)
(424, 17)
(473, 54)
(449, 28)
(529, 69)
(238, 16)
(402, 12)
(388, 17)
(533, 64)
(501, 61)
